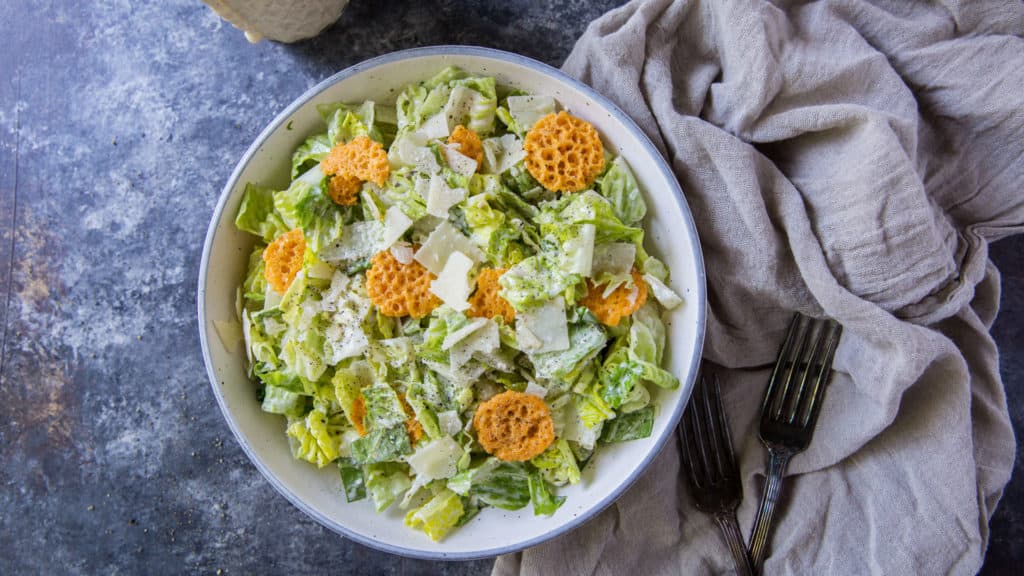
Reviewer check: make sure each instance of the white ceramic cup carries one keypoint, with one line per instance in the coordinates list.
(280, 20)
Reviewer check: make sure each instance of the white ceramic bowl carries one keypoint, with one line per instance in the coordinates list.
(671, 236)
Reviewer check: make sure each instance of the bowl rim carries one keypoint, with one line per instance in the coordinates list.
(700, 299)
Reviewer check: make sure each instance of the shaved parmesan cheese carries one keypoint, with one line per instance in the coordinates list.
(402, 251)
(359, 240)
(526, 110)
(436, 459)
(344, 340)
(459, 105)
(665, 295)
(502, 153)
(449, 423)
(452, 285)
(442, 242)
(457, 336)
(579, 251)
(484, 341)
(457, 161)
(395, 224)
(526, 339)
(411, 150)
(614, 259)
(536, 389)
(440, 197)
(435, 127)
(470, 108)
(546, 324)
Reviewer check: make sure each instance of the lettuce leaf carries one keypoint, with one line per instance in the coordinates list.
(619, 187)
(438, 516)
(310, 153)
(306, 206)
(585, 341)
(557, 464)
(505, 486)
(631, 426)
(383, 408)
(385, 481)
(351, 480)
(255, 286)
(316, 438)
(278, 400)
(257, 214)
(381, 445)
(544, 503)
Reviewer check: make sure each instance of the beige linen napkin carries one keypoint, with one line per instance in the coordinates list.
(844, 158)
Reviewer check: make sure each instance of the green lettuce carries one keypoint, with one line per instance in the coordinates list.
(381, 445)
(585, 341)
(257, 214)
(383, 408)
(631, 426)
(619, 187)
(544, 503)
(306, 206)
(316, 438)
(385, 481)
(505, 486)
(278, 400)
(438, 516)
(255, 286)
(557, 464)
(352, 480)
(310, 153)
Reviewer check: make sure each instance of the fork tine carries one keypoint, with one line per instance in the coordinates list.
(780, 362)
(723, 424)
(824, 368)
(701, 432)
(710, 427)
(790, 359)
(810, 356)
(686, 437)
(717, 429)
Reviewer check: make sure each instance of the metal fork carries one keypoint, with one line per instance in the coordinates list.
(708, 458)
(790, 410)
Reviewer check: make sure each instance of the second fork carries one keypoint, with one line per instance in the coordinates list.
(796, 391)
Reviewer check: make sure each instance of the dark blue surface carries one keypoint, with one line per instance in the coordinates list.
(119, 123)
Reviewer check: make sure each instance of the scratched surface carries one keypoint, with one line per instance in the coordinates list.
(119, 123)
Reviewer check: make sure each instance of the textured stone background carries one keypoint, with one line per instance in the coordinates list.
(119, 123)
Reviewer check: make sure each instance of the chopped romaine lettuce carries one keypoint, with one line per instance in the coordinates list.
(619, 186)
(381, 445)
(557, 464)
(257, 215)
(629, 426)
(438, 516)
(351, 480)
(385, 481)
(544, 503)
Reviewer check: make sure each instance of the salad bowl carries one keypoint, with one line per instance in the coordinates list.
(670, 236)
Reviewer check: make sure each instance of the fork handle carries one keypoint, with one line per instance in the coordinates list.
(777, 462)
(731, 531)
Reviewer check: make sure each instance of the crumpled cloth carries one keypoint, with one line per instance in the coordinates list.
(848, 159)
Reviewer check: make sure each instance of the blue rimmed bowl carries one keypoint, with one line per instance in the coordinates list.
(671, 236)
